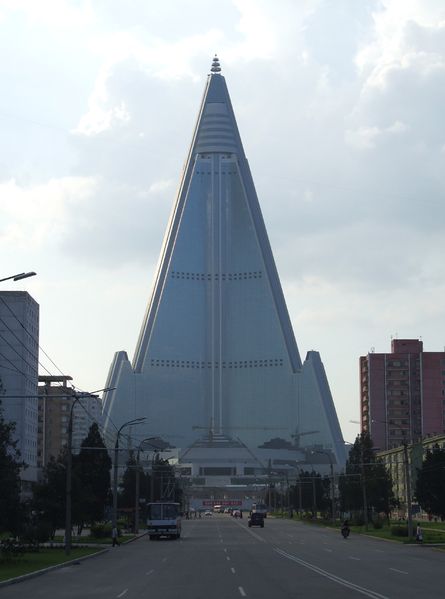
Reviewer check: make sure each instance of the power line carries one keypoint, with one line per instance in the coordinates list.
(33, 338)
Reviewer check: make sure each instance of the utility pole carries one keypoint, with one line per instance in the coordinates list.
(69, 462)
(331, 465)
(408, 489)
(137, 483)
(363, 479)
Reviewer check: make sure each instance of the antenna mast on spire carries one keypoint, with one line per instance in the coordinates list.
(216, 67)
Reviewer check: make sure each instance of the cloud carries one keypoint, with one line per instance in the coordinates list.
(39, 215)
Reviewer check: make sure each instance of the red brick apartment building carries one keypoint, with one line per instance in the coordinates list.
(402, 394)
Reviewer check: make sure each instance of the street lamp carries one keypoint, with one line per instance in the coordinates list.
(116, 465)
(332, 482)
(69, 463)
(136, 505)
(19, 277)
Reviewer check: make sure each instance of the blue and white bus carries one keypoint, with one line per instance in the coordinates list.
(164, 520)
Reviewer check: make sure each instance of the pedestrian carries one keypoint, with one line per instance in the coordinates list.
(419, 534)
(114, 536)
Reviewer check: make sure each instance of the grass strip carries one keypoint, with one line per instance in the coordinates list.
(46, 557)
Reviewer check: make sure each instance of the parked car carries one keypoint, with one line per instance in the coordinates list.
(208, 513)
(256, 519)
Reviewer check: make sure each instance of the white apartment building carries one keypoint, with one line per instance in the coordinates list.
(19, 348)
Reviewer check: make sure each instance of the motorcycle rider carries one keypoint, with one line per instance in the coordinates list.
(345, 530)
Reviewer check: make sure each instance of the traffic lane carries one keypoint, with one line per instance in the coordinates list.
(194, 566)
(258, 571)
(265, 572)
(387, 566)
(381, 566)
(202, 567)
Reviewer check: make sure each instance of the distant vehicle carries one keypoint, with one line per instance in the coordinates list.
(259, 508)
(256, 519)
(208, 513)
(217, 509)
(164, 520)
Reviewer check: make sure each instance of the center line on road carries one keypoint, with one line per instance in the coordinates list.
(233, 570)
(225, 550)
(227, 558)
(357, 559)
(242, 592)
(399, 571)
(122, 594)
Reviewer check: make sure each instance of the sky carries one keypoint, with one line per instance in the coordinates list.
(340, 106)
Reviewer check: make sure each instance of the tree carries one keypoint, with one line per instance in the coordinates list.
(313, 490)
(10, 465)
(363, 469)
(430, 484)
(49, 499)
(127, 497)
(92, 468)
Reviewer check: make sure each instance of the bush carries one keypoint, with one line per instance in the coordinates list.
(36, 533)
(10, 549)
(378, 524)
(101, 530)
(399, 531)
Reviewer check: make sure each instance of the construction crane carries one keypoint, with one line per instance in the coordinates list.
(296, 436)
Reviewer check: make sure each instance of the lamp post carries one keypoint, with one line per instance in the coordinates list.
(332, 482)
(69, 463)
(116, 465)
(19, 277)
(136, 504)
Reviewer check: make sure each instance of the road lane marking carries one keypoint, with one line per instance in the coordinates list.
(123, 593)
(399, 571)
(242, 592)
(357, 559)
(225, 550)
(333, 577)
(164, 559)
(149, 572)
(326, 549)
(233, 570)
(227, 558)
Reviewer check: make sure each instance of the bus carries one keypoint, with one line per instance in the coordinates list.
(164, 520)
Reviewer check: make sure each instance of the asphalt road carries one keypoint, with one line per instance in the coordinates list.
(219, 557)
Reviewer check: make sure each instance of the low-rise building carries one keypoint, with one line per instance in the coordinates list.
(398, 459)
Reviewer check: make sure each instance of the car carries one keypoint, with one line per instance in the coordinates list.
(256, 519)
(208, 513)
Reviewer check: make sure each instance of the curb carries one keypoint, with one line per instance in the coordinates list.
(17, 579)
(36, 573)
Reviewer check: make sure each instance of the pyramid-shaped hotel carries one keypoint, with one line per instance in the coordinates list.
(216, 356)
